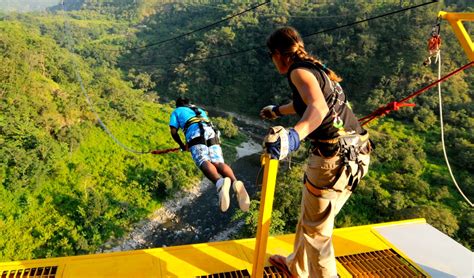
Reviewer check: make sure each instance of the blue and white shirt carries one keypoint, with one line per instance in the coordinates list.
(181, 115)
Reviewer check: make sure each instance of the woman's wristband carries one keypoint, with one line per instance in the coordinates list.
(276, 110)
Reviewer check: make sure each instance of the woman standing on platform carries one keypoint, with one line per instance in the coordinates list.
(339, 156)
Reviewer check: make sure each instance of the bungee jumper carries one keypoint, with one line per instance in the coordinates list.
(339, 158)
(202, 140)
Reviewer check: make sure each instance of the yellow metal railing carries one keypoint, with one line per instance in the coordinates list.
(265, 214)
(455, 20)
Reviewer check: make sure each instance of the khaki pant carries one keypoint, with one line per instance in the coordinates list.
(313, 252)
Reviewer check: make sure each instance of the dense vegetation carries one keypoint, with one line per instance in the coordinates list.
(66, 187)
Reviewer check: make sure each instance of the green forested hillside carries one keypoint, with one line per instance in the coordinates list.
(66, 187)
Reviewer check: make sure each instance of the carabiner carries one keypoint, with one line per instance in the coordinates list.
(338, 123)
(436, 29)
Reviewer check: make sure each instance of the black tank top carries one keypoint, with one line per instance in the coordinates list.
(346, 123)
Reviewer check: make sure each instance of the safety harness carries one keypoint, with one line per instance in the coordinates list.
(201, 139)
(348, 147)
(336, 92)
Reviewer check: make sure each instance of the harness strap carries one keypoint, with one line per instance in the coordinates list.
(200, 140)
(195, 120)
(346, 175)
(200, 121)
(328, 192)
(316, 191)
(363, 138)
(352, 170)
(343, 145)
(316, 188)
(354, 179)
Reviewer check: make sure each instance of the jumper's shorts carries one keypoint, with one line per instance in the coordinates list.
(202, 153)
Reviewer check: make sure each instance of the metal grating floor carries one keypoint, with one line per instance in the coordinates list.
(384, 263)
(237, 274)
(34, 272)
(271, 271)
(268, 272)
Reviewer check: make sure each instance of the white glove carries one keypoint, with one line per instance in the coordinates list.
(270, 112)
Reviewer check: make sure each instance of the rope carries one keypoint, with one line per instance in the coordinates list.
(259, 176)
(165, 151)
(384, 110)
(262, 46)
(86, 95)
(179, 149)
(193, 31)
(442, 134)
(89, 101)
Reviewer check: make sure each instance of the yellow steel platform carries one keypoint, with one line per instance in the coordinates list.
(207, 259)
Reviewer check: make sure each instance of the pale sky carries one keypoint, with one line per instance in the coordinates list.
(26, 5)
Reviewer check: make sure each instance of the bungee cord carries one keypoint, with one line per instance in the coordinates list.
(84, 91)
(445, 153)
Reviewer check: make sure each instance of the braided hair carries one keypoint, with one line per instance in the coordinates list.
(288, 42)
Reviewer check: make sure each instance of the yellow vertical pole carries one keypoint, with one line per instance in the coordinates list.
(455, 20)
(265, 215)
